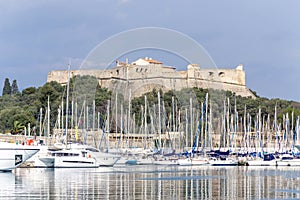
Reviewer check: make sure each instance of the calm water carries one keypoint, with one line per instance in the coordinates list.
(152, 182)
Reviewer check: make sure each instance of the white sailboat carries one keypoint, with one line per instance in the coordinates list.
(266, 160)
(223, 161)
(288, 160)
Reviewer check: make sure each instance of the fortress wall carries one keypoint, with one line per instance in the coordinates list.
(144, 78)
(60, 76)
(233, 76)
(241, 90)
(141, 86)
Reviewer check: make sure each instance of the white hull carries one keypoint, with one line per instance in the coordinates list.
(260, 162)
(145, 161)
(69, 158)
(12, 155)
(78, 156)
(227, 162)
(193, 161)
(35, 161)
(288, 160)
(294, 162)
(105, 159)
(74, 162)
(166, 162)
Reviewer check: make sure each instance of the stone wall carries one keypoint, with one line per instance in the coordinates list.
(140, 79)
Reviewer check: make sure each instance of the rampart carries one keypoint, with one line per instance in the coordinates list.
(147, 74)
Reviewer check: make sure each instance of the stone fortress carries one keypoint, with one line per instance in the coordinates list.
(146, 74)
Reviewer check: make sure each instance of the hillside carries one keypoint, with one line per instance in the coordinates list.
(30, 105)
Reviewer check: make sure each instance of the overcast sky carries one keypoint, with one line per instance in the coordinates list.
(39, 36)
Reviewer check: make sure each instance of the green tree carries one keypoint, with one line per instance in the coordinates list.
(83, 88)
(101, 98)
(18, 128)
(6, 88)
(14, 87)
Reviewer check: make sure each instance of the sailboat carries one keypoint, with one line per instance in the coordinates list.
(194, 159)
(221, 158)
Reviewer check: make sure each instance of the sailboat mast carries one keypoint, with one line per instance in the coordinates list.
(191, 121)
(186, 127)
(206, 122)
(41, 116)
(292, 130)
(173, 113)
(48, 118)
(62, 115)
(72, 116)
(159, 120)
(67, 102)
(107, 121)
(210, 126)
(145, 119)
(297, 131)
(116, 105)
(275, 127)
(129, 115)
(94, 115)
(246, 132)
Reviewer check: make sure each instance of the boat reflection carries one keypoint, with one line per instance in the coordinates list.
(7, 184)
(153, 182)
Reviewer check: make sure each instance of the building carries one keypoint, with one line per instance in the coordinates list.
(146, 74)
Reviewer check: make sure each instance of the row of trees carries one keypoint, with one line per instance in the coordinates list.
(17, 109)
(217, 98)
(10, 89)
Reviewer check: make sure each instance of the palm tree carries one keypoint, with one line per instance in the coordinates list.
(18, 128)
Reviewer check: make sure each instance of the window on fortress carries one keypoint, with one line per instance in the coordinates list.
(211, 73)
(221, 74)
(137, 69)
(117, 72)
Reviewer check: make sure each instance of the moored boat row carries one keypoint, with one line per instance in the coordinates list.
(83, 156)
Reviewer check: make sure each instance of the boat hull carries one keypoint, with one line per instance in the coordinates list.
(223, 162)
(294, 162)
(12, 156)
(261, 163)
(192, 162)
(71, 162)
(105, 159)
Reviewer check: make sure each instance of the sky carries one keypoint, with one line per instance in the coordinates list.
(39, 36)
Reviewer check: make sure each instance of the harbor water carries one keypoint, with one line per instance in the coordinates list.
(152, 182)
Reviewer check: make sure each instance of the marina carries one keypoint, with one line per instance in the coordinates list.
(105, 100)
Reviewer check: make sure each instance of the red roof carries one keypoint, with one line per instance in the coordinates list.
(153, 61)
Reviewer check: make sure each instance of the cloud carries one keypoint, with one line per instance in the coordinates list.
(121, 2)
(260, 34)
